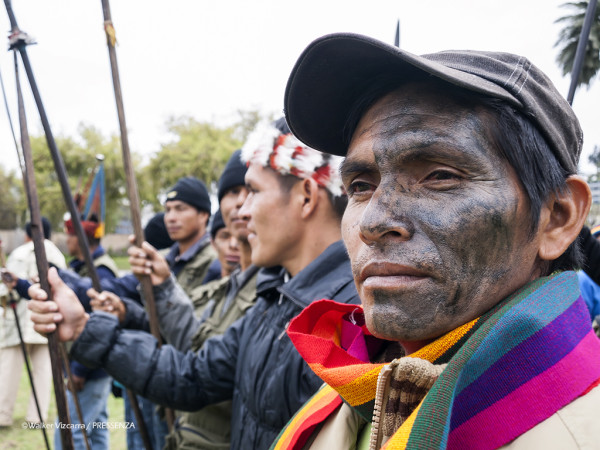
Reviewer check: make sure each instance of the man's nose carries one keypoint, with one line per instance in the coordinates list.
(241, 198)
(244, 212)
(384, 219)
(169, 215)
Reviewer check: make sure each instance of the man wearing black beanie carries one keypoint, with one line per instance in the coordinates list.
(187, 210)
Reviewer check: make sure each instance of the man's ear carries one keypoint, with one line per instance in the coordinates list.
(563, 217)
(309, 192)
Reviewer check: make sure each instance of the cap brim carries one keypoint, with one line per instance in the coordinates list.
(335, 70)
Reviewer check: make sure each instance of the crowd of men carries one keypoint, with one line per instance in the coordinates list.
(395, 269)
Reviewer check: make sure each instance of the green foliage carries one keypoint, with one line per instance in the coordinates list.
(13, 204)
(568, 38)
(79, 157)
(198, 149)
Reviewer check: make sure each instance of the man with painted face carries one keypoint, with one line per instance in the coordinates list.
(293, 210)
(464, 205)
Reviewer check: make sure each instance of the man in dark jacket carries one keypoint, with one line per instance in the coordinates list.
(91, 385)
(294, 223)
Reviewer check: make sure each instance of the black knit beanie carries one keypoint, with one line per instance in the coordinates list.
(156, 233)
(217, 224)
(233, 174)
(192, 191)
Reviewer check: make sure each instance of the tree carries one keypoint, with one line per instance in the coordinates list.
(198, 149)
(79, 156)
(247, 121)
(568, 38)
(13, 204)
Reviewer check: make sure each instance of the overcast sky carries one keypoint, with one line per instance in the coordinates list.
(211, 58)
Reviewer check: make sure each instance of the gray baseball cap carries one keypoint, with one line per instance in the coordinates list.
(335, 70)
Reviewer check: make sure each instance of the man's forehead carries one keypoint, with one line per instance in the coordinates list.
(417, 112)
(409, 103)
(257, 172)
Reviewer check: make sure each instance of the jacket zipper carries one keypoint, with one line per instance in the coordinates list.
(381, 394)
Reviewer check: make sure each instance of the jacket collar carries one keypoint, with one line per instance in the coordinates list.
(322, 278)
(174, 257)
(76, 264)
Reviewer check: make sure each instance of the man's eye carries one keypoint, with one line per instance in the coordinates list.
(359, 187)
(443, 175)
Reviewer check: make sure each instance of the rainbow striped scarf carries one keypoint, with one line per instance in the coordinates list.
(479, 401)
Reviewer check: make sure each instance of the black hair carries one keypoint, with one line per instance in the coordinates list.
(515, 137)
(338, 202)
(45, 225)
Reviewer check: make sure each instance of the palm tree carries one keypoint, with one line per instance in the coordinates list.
(568, 38)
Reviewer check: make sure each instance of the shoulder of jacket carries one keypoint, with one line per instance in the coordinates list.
(205, 256)
(106, 261)
(209, 289)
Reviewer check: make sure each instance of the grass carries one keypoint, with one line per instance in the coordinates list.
(16, 437)
(122, 262)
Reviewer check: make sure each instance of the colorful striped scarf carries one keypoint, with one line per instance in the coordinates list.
(479, 401)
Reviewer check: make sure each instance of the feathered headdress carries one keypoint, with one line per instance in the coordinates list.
(273, 145)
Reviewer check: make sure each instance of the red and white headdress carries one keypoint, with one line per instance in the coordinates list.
(283, 152)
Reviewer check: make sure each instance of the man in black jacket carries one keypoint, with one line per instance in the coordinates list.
(293, 210)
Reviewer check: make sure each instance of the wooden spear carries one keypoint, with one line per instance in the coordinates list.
(134, 200)
(37, 235)
(22, 167)
(19, 40)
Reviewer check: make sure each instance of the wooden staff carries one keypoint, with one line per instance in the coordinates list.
(18, 41)
(37, 235)
(21, 166)
(132, 191)
(66, 362)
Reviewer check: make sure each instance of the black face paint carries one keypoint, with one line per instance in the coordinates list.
(436, 226)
